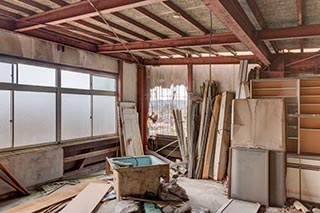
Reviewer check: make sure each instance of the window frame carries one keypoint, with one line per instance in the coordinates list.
(58, 91)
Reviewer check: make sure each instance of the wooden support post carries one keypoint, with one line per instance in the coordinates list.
(142, 102)
(120, 80)
(190, 78)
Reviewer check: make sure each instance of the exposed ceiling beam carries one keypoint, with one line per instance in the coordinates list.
(306, 31)
(88, 32)
(217, 39)
(210, 50)
(61, 39)
(232, 15)
(160, 21)
(162, 53)
(126, 57)
(178, 52)
(123, 29)
(138, 24)
(16, 7)
(102, 30)
(300, 21)
(200, 60)
(230, 49)
(78, 11)
(8, 14)
(187, 17)
(60, 2)
(259, 17)
(36, 5)
(7, 24)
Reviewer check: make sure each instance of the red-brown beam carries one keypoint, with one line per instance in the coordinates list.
(123, 29)
(190, 78)
(78, 11)
(201, 60)
(16, 7)
(120, 80)
(36, 5)
(187, 17)
(142, 102)
(259, 17)
(232, 15)
(217, 39)
(160, 21)
(300, 21)
(60, 2)
(62, 39)
(138, 24)
(8, 14)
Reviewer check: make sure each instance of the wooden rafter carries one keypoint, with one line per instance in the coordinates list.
(178, 52)
(210, 50)
(16, 7)
(102, 30)
(200, 60)
(78, 11)
(123, 29)
(259, 17)
(7, 14)
(59, 2)
(138, 24)
(230, 49)
(232, 15)
(300, 21)
(187, 17)
(36, 4)
(160, 21)
(162, 53)
(61, 39)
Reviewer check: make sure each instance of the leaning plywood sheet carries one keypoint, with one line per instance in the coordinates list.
(223, 137)
(44, 202)
(239, 206)
(249, 175)
(87, 200)
(258, 123)
(132, 137)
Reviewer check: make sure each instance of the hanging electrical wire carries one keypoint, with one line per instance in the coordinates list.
(107, 23)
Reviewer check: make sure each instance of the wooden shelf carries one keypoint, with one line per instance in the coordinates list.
(310, 123)
(274, 92)
(309, 108)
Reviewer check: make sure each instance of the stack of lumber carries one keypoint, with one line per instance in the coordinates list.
(83, 197)
(209, 133)
(129, 131)
(181, 135)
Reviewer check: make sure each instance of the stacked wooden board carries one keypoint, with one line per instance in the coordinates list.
(209, 133)
(130, 136)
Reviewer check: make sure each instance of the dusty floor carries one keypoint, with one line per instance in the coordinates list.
(203, 194)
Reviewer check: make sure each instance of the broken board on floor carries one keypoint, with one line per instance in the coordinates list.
(87, 200)
(239, 206)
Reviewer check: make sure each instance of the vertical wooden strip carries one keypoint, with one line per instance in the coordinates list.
(142, 102)
(120, 80)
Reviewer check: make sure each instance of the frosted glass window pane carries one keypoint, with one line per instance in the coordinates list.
(34, 75)
(101, 83)
(104, 115)
(5, 72)
(75, 121)
(75, 80)
(34, 118)
(5, 125)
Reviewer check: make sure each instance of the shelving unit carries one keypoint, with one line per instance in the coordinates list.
(302, 97)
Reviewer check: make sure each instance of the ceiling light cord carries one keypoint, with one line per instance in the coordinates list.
(107, 23)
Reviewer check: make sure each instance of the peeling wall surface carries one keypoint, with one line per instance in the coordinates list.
(129, 82)
(14, 44)
(33, 166)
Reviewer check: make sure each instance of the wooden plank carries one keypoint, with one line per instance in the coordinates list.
(211, 138)
(87, 200)
(258, 123)
(309, 141)
(90, 154)
(273, 84)
(54, 198)
(310, 99)
(309, 108)
(16, 182)
(223, 137)
(310, 123)
(310, 91)
(274, 92)
(10, 183)
(310, 83)
(232, 206)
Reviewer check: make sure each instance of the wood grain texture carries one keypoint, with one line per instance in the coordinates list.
(211, 138)
(223, 137)
(87, 200)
